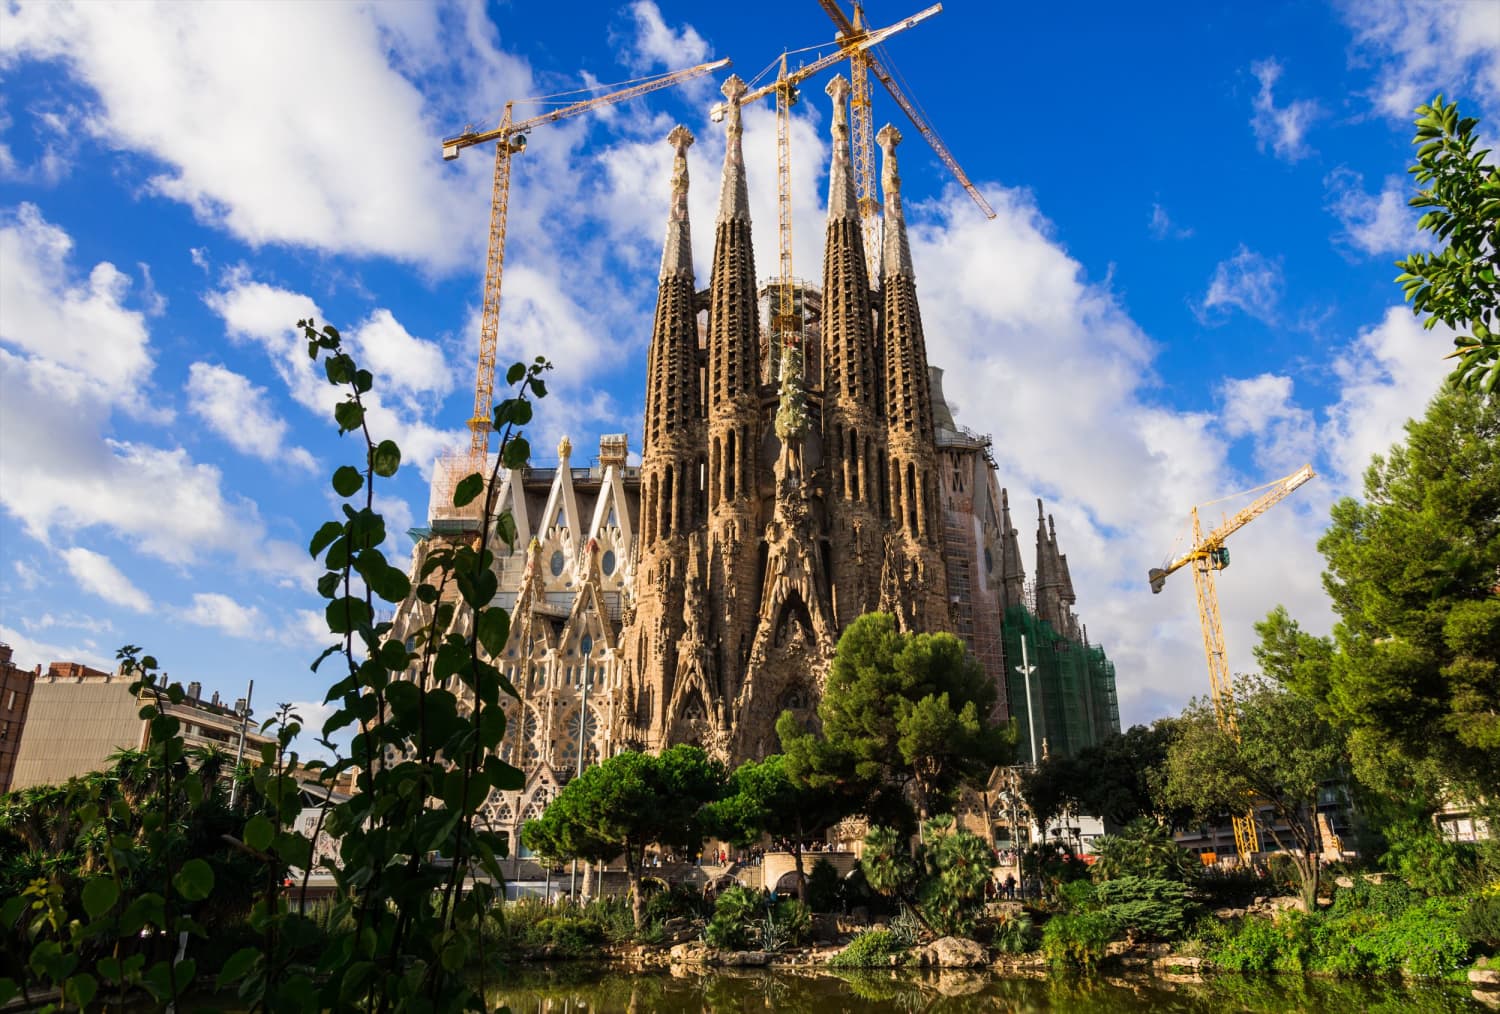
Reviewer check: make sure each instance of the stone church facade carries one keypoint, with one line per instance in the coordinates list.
(800, 467)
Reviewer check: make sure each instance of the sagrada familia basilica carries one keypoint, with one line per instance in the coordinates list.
(794, 475)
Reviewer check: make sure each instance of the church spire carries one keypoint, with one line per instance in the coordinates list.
(1012, 570)
(895, 252)
(841, 203)
(677, 251)
(734, 196)
(673, 415)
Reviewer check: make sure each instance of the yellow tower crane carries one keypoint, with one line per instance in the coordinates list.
(1207, 555)
(510, 139)
(785, 321)
(863, 63)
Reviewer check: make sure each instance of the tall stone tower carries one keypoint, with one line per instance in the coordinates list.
(913, 587)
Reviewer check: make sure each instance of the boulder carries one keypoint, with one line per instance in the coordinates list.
(953, 952)
(746, 959)
(1485, 977)
(694, 952)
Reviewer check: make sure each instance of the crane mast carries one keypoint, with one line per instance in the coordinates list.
(1207, 555)
(862, 64)
(510, 139)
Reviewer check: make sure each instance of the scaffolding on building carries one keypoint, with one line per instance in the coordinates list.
(1072, 687)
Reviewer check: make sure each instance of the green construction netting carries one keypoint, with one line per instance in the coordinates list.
(1072, 687)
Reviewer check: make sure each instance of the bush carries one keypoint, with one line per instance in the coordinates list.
(957, 866)
(678, 901)
(1424, 940)
(1077, 939)
(1143, 849)
(729, 929)
(1149, 907)
(868, 950)
(1390, 898)
(1261, 945)
(1014, 933)
(790, 922)
(1480, 922)
(823, 887)
(906, 928)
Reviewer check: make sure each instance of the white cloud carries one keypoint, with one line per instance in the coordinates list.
(1249, 282)
(241, 413)
(1373, 224)
(401, 364)
(1387, 376)
(266, 315)
(1283, 129)
(655, 45)
(98, 575)
(1263, 408)
(222, 613)
(29, 575)
(1162, 226)
(270, 153)
(1420, 49)
(72, 621)
(29, 653)
(78, 324)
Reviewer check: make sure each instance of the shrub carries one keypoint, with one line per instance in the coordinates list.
(1251, 945)
(792, 922)
(678, 901)
(1077, 939)
(906, 928)
(1077, 896)
(1014, 933)
(957, 866)
(1143, 849)
(1390, 898)
(868, 950)
(1150, 907)
(823, 887)
(1424, 940)
(729, 929)
(1480, 922)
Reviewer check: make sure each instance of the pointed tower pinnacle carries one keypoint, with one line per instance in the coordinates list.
(677, 251)
(1012, 570)
(734, 197)
(841, 204)
(895, 253)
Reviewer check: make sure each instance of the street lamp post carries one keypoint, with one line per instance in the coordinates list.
(239, 754)
(583, 710)
(1026, 669)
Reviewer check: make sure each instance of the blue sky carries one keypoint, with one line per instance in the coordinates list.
(1186, 291)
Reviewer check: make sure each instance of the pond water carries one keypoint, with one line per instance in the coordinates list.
(581, 989)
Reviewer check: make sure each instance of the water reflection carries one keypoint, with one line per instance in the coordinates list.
(580, 989)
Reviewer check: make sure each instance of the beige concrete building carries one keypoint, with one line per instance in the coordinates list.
(80, 716)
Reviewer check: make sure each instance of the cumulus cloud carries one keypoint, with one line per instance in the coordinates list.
(241, 413)
(1387, 375)
(28, 653)
(651, 44)
(401, 363)
(1263, 408)
(98, 575)
(257, 151)
(265, 315)
(1419, 49)
(1372, 224)
(79, 323)
(1249, 282)
(1282, 129)
(222, 613)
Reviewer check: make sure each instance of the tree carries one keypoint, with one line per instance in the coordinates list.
(1459, 284)
(1143, 849)
(762, 798)
(1282, 752)
(630, 801)
(1118, 779)
(898, 709)
(1413, 572)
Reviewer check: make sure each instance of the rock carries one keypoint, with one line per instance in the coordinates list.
(1486, 997)
(694, 952)
(1223, 914)
(952, 952)
(1184, 962)
(1280, 905)
(745, 959)
(1485, 976)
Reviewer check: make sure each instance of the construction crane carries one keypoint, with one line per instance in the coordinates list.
(862, 64)
(510, 139)
(784, 317)
(1207, 555)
